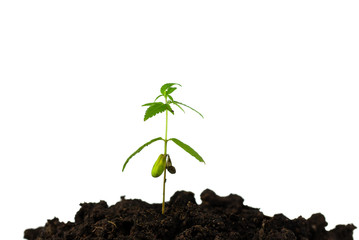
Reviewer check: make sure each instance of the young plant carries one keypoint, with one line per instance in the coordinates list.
(164, 162)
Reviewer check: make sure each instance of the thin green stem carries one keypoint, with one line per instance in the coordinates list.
(164, 175)
(163, 197)
(166, 132)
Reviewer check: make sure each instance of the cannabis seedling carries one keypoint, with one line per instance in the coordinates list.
(164, 162)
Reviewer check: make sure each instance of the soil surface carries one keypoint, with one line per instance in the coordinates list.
(216, 218)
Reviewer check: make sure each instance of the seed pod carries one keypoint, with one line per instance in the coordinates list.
(159, 166)
(171, 169)
(169, 165)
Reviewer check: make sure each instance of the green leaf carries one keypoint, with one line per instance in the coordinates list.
(148, 104)
(139, 150)
(166, 86)
(178, 106)
(155, 108)
(158, 97)
(170, 90)
(187, 149)
(174, 102)
(170, 97)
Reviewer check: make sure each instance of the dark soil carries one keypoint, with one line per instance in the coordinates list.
(216, 218)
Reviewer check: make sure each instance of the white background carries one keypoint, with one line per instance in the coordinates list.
(277, 83)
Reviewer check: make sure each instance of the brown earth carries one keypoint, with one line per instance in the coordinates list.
(216, 218)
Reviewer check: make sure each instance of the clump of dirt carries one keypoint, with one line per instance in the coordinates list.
(216, 218)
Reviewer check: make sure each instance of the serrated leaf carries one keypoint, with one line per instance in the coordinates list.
(175, 102)
(139, 150)
(166, 86)
(187, 149)
(155, 108)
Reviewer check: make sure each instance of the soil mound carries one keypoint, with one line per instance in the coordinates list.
(216, 218)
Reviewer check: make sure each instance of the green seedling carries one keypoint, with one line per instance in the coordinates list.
(164, 162)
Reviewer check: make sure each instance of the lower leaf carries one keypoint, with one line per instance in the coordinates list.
(187, 149)
(139, 150)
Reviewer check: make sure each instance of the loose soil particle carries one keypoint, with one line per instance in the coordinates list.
(216, 218)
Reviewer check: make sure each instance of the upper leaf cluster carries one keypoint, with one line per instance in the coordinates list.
(159, 107)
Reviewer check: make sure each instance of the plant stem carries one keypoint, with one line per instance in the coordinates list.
(164, 175)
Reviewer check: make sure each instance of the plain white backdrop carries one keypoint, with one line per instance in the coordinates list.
(276, 81)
